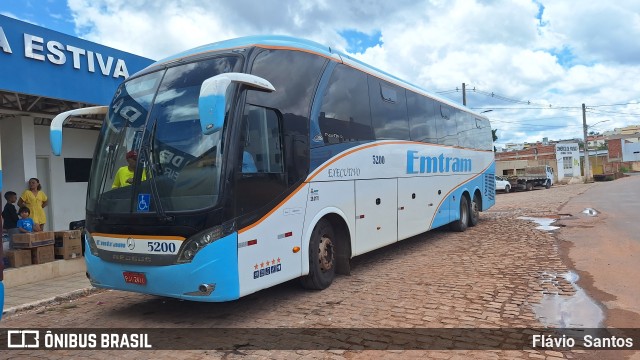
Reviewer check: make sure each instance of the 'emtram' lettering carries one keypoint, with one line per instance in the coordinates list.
(436, 164)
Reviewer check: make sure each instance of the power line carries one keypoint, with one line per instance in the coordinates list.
(527, 108)
(624, 104)
(527, 102)
(533, 125)
(605, 112)
(507, 99)
(447, 91)
(492, 95)
(536, 127)
(528, 120)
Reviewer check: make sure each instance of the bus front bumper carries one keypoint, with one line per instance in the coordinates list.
(212, 276)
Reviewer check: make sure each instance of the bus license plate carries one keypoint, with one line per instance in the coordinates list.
(135, 278)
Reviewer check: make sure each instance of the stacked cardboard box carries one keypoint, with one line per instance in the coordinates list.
(68, 244)
(42, 254)
(40, 244)
(18, 257)
(32, 240)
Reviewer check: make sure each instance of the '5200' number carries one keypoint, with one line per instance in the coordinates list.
(158, 246)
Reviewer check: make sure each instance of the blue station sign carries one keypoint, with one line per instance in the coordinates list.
(42, 62)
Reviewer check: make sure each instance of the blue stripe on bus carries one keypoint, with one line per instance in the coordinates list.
(216, 263)
(449, 209)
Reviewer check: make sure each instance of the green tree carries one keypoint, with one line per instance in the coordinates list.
(495, 137)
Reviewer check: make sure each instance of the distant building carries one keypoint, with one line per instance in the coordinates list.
(563, 157)
(512, 146)
(628, 130)
(595, 141)
(624, 152)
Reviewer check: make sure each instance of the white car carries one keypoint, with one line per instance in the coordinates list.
(502, 184)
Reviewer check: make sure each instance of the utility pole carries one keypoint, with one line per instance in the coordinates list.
(464, 94)
(587, 167)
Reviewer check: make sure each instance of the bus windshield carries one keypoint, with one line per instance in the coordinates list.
(151, 148)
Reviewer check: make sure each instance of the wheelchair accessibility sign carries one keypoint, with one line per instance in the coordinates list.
(144, 200)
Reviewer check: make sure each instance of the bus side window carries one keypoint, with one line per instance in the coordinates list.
(345, 115)
(388, 110)
(260, 175)
(447, 126)
(465, 126)
(261, 141)
(422, 118)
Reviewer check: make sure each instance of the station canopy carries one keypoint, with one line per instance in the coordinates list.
(45, 72)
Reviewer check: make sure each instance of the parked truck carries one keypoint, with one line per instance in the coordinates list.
(528, 177)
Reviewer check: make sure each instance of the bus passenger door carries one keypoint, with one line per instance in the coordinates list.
(376, 214)
(267, 236)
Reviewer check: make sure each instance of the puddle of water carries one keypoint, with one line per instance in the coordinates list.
(571, 277)
(569, 311)
(590, 212)
(544, 223)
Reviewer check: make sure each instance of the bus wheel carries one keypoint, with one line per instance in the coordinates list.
(460, 225)
(322, 264)
(475, 211)
(548, 184)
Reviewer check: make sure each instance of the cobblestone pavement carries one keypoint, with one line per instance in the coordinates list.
(489, 276)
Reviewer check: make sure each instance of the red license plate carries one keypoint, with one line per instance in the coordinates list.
(134, 278)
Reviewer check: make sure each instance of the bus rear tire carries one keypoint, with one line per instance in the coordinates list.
(474, 215)
(322, 263)
(460, 225)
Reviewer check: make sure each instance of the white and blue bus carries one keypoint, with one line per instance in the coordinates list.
(264, 159)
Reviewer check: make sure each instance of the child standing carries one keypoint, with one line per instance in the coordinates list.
(9, 213)
(26, 224)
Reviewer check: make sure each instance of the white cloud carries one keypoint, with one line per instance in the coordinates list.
(598, 31)
(576, 53)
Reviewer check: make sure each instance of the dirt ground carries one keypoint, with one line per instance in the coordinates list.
(605, 250)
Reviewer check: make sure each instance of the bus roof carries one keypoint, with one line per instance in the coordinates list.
(293, 43)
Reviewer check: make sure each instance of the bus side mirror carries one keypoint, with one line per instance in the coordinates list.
(212, 101)
(55, 131)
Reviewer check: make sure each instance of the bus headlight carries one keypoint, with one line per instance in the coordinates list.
(197, 242)
(92, 243)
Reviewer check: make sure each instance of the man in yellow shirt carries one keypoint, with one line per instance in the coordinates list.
(124, 176)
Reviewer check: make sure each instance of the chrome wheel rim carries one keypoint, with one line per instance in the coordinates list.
(325, 257)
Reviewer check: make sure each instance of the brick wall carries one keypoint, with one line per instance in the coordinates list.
(615, 150)
(545, 152)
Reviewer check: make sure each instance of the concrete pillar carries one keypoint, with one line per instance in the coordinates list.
(17, 140)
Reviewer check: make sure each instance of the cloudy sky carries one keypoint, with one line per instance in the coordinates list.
(532, 62)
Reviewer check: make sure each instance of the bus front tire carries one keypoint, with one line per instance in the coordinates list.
(461, 224)
(322, 264)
